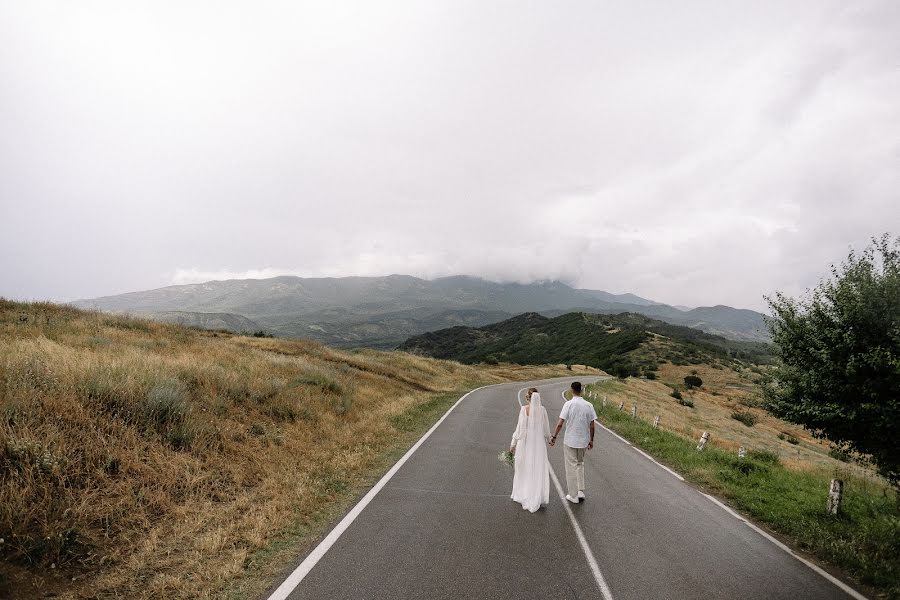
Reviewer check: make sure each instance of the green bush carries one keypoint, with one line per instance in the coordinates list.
(686, 402)
(676, 394)
(839, 454)
(692, 381)
(764, 456)
(745, 417)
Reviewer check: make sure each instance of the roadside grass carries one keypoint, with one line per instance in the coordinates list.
(149, 460)
(710, 408)
(864, 540)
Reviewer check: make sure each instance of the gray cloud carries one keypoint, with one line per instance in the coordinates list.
(706, 153)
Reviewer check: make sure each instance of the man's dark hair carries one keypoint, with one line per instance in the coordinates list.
(576, 387)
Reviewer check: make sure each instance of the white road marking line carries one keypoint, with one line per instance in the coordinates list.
(592, 562)
(618, 436)
(840, 584)
(656, 462)
(303, 569)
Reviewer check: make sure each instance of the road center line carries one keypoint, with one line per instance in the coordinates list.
(592, 562)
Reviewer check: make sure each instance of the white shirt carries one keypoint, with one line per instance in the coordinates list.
(578, 414)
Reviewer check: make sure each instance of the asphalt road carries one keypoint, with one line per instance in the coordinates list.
(443, 526)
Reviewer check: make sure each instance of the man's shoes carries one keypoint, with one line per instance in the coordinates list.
(581, 495)
(571, 499)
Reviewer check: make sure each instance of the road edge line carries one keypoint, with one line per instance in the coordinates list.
(302, 570)
(817, 569)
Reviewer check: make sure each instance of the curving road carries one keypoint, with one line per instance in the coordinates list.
(441, 525)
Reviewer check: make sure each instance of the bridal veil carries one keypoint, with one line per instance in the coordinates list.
(531, 482)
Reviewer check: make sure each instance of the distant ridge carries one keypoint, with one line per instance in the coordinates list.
(622, 344)
(384, 311)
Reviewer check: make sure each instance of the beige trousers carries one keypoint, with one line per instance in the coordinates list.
(574, 470)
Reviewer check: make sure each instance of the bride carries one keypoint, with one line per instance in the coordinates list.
(531, 482)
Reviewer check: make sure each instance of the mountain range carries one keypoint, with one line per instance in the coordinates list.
(383, 312)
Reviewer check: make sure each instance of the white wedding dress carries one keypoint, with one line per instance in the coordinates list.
(531, 482)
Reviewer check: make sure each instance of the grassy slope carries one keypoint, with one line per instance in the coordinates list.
(782, 485)
(145, 460)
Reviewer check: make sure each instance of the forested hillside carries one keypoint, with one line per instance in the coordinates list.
(624, 344)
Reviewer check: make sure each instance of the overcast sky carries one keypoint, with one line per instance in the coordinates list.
(694, 153)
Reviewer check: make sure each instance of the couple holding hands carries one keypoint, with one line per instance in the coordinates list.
(531, 482)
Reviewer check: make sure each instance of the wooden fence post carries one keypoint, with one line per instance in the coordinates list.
(634, 411)
(622, 405)
(703, 439)
(604, 401)
(835, 495)
(742, 452)
(656, 422)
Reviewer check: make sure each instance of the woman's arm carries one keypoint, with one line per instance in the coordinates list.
(520, 429)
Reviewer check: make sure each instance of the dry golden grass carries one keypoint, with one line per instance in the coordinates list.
(724, 391)
(145, 460)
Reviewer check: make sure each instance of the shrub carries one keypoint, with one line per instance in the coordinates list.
(839, 454)
(262, 334)
(764, 456)
(692, 381)
(621, 371)
(676, 394)
(792, 440)
(283, 409)
(650, 375)
(745, 417)
(149, 405)
(166, 405)
(321, 381)
(342, 405)
(686, 402)
(181, 436)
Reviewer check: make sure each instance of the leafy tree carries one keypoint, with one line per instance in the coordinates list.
(621, 370)
(692, 381)
(840, 356)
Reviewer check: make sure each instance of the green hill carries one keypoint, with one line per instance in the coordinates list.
(624, 344)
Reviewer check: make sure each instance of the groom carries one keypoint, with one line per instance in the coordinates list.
(578, 414)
